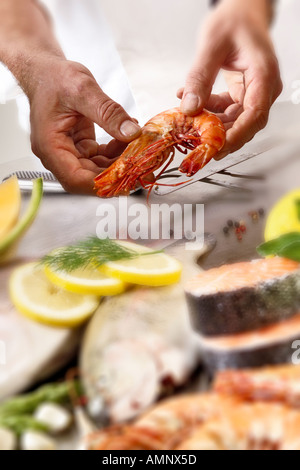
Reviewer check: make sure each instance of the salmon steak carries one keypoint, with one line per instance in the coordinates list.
(244, 296)
(271, 345)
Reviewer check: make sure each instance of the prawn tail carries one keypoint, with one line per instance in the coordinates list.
(197, 159)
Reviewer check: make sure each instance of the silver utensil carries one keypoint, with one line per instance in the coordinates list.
(222, 184)
(218, 167)
(51, 184)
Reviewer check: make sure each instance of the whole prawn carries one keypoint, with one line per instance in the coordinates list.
(204, 135)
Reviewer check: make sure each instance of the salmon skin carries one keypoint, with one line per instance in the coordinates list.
(244, 296)
(271, 345)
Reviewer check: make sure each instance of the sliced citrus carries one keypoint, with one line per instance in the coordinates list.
(88, 281)
(20, 228)
(10, 204)
(284, 217)
(37, 298)
(156, 269)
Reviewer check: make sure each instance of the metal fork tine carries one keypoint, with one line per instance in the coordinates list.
(223, 184)
(170, 170)
(214, 182)
(209, 180)
(251, 150)
(167, 174)
(164, 176)
(241, 175)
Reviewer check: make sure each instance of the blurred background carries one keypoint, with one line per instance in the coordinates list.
(140, 55)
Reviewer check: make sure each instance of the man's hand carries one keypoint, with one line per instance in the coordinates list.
(65, 99)
(236, 39)
(65, 104)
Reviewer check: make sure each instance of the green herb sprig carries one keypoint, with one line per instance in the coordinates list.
(286, 246)
(92, 251)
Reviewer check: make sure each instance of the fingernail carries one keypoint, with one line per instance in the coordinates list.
(129, 128)
(190, 103)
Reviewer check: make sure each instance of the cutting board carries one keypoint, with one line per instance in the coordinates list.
(31, 351)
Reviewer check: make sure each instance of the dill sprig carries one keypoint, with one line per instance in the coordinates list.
(90, 252)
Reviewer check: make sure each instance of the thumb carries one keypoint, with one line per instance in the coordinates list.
(102, 110)
(200, 80)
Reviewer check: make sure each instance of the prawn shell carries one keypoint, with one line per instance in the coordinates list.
(204, 134)
(205, 422)
(270, 384)
(257, 426)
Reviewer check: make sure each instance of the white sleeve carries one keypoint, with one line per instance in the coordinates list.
(85, 37)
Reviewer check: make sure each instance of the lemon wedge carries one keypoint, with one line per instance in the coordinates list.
(9, 241)
(37, 298)
(10, 204)
(156, 269)
(88, 281)
(284, 217)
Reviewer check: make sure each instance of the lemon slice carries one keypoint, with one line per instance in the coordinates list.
(37, 298)
(284, 217)
(10, 204)
(89, 281)
(150, 270)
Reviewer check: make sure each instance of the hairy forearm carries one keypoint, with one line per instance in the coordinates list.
(27, 41)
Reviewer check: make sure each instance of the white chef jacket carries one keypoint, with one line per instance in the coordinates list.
(85, 37)
(140, 50)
